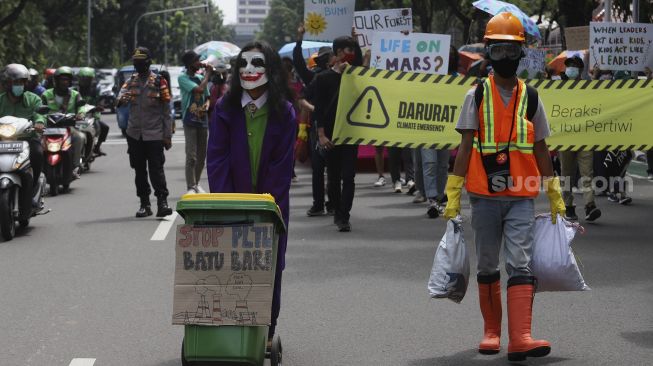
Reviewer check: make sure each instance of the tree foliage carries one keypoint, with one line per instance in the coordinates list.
(50, 33)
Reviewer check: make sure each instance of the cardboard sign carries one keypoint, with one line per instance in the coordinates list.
(224, 275)
(532, 65)
(404, 109)
(577, 38)
(417, 52)
(389, 20)
(326, 20)
(621, 46)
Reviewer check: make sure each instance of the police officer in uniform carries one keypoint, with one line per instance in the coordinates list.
(149, 131)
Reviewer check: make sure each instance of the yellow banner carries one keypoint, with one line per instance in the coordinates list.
(394, 108)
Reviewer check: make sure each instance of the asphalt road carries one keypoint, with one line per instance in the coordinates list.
(87, 282)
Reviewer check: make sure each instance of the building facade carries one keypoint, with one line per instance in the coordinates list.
(251, 14)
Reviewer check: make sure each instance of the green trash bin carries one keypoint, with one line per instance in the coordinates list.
(230, 344)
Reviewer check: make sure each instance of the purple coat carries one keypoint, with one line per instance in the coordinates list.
(227, 159)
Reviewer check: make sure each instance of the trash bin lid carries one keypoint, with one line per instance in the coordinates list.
(231, 202)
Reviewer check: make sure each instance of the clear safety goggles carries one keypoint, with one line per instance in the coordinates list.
(500, 51)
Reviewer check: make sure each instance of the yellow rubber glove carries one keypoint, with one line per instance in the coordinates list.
(552, 189)
(454, 190)
(302, 134)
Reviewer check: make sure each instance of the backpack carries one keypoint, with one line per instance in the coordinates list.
(532, 104)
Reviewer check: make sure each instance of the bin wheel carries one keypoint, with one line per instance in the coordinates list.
(276, 351)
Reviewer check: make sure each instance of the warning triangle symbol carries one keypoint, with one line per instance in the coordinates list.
(368, 110)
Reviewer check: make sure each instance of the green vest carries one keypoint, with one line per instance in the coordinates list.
(49, 99)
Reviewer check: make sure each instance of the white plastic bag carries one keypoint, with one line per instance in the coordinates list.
(450, 272)
(553, 263)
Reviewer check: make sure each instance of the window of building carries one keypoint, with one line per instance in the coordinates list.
(242, 11)
(257, 11)
(257, 2)
(256, 20)
(242, 20)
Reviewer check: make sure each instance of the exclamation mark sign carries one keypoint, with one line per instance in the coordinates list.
(369, 109)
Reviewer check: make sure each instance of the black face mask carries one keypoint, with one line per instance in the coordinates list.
(142, 67)
(506, 67)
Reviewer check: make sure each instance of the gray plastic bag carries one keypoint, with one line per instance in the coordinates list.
(450, 272)
(554, 264)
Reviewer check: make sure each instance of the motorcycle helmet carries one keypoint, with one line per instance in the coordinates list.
(88, 72)
(64, 71)
(15, 72)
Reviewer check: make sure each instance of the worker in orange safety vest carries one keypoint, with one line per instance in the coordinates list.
(504, 156)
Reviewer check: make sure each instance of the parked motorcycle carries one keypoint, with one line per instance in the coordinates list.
(16, 177)
(89, 124)
(58, 151)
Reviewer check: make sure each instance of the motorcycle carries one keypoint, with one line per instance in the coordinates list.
(58, 151)
(16, 177)
(89, 125)
(107, 99)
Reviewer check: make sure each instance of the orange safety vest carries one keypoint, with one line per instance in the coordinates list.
(495, 122)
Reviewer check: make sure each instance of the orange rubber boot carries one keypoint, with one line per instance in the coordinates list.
(520, 307)
(489, 297)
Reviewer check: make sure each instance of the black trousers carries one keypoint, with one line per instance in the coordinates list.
(36, 158)
(397, 156)
(144, 156)
(104, 132)
(318, 164)
(341, 162)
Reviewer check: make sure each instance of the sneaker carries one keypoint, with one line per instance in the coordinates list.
(612, 197)
(397, 188)
(412, 187)
(344, 226)
(315, 211)
(650, 176)
(432, 211)
(625, 200)
(191, 191)
(403, 181)
(199, 189)
(419, 198)
(592, 212)
(380, 182)
(76, 173)
(570, 213)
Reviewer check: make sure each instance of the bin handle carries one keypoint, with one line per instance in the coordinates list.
(223, 223)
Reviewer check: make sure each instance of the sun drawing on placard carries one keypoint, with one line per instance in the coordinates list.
(315, 23)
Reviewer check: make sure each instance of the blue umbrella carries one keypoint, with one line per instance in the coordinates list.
(495, 7)
(308, 48)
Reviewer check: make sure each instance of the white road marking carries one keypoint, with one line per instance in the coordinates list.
(82, 362)
(164, 227)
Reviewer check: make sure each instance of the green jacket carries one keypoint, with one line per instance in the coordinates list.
(25, 108)
(75, 101)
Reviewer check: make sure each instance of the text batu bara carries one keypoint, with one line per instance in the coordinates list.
(251, 248)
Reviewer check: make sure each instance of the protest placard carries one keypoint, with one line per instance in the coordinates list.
(417, 52)
(532, 65)
(325, 20)
(224, 275)
(388, 20)
(577, 38)
(621, 46)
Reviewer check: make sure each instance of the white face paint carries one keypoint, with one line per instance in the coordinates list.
(252, 70)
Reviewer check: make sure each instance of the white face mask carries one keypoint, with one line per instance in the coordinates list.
(252, 70)
(572, 72)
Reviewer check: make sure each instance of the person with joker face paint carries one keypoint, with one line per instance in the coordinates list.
(252, 134)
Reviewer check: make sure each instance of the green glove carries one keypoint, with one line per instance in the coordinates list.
(552, 189)
(454, 190)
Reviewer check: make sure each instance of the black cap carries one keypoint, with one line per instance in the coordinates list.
(574, 60)
(189, 57)
(142, 53)
(324, 50)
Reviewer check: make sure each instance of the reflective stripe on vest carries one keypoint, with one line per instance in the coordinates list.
(489, 144)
